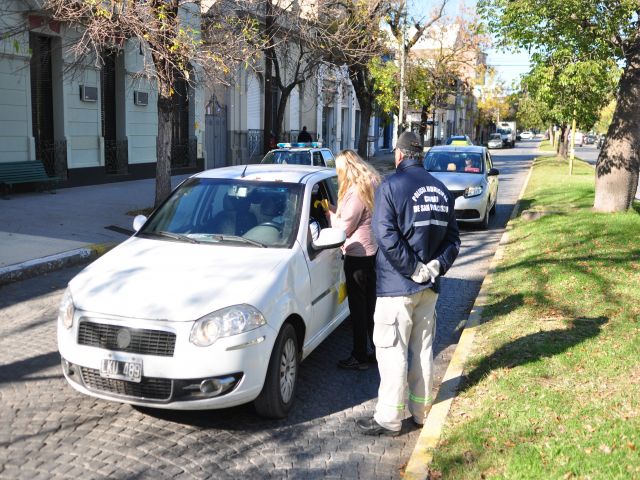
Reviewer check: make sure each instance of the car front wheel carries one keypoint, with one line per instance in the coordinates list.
(484, 224)
(278, 392)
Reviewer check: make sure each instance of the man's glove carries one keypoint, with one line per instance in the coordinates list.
(424, 273)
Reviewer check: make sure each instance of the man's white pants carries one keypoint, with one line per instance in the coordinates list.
(403, 335)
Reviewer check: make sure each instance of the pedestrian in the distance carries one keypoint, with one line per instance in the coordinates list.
(304, 136)
(357, 184)
(415, 227)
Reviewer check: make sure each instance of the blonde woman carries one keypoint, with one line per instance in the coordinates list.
(357, 184)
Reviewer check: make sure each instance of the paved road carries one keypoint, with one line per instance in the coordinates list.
(47, 430)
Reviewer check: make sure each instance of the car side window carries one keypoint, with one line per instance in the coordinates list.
(317, 159)
(320, 201)
(328, 158)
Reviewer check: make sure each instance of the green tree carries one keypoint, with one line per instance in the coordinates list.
(606, 116)
(595, 32)
(569, 89)
(531, 113)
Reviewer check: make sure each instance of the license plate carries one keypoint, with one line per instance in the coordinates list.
(131, 371)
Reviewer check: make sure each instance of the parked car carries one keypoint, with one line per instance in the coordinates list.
(526, 135)
(469, 175)
(590, 139)
(300, 154)
(495, 141)
(600, 141)
(215, 299)
(459, 140)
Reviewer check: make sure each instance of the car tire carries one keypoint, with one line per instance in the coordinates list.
(278, 393)
(484, 224)
(493, 207)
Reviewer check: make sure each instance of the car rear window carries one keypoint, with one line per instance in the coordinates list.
(461, 162)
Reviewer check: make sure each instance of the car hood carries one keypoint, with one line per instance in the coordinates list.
(458, 180)
(166, 280)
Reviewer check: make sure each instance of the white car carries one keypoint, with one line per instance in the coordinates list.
(300, 154)
(495, 141)
(215, 299)
(468, 174)
(526, 135)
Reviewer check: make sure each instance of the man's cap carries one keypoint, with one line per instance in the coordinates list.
(409, 141)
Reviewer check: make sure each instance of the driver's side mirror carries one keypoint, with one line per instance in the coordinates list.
(493, 172)
(138, 222)
(329, 238)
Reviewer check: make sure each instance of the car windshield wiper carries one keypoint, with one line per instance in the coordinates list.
(174, 236)
(236, 238)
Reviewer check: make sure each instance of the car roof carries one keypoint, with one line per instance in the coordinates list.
(458, 148)
(297, 149)
(268, 173)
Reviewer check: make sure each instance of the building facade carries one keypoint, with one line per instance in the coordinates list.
(91, 120)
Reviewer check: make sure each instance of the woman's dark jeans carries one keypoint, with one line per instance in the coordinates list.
(360, 273)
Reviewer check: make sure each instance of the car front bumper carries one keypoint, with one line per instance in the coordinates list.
(229, 372)
(473, 209)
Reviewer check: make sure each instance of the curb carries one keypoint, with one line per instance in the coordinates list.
(39, 266)
(422, 455)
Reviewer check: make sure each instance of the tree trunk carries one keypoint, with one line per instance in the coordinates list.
(268, 105)
(618, 163)
(361, 82)
(163, 149)
(562, 144)
(268, 80)
(282, 107)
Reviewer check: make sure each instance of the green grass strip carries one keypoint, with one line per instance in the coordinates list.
(546, 146)
(552, 389)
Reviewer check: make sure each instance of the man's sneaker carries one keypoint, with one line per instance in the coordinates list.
(352, 363)
(369, 426)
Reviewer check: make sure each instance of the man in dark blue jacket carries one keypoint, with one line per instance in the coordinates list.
(418, 240)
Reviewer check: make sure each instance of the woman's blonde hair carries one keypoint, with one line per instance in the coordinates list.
(353, 171)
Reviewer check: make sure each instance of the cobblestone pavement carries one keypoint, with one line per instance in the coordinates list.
(47, 430)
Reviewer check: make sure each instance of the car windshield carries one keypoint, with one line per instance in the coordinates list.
(461, 162)
(495, 136)
(234, 212)
(291, 157)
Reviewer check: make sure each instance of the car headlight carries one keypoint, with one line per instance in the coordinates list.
(67, 309)
(473, 191)
(224, 323)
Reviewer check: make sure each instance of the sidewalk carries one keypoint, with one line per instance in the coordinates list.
(41, 232)
(44, 231)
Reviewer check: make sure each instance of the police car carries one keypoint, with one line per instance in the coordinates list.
(300, 154)
(215, 299)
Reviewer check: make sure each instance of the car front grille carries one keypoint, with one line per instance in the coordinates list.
(467, 214)
(125, 339)
(148, 388)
